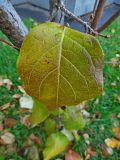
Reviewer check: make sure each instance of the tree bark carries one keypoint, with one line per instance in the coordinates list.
(11, 24)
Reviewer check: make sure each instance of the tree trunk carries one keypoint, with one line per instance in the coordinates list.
(11, 24)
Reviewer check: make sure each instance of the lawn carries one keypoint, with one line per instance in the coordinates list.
(103, 113)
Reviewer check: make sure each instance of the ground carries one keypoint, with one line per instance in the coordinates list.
(103, 113)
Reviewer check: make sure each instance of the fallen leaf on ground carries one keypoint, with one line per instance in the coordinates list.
(8, 138)
(1, 127)
(26, 102)
(5, 106)
(35, 139)
(9, 122)
(72, 155)
(16, 97)
(87, 157)
(118, 98)
(8, 84)
(86, 137)
(114, 60)
(91, 151)
(25, 120)
(11, 148)
(24, 110)
(105, 151)
(109, 150)
(85, 113)
(113, 84)
(118, 116)
(21, 89)
(102, 128)
(33, 153)
(116, 131)
(113, 143)
(1, 141)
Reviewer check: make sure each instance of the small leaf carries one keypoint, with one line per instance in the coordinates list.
(26, 102)
(16, 97)
(25, 120)
(116, 131)
(72, 155)
(50, 126)
(1, 127)
(73, 119)
(60, 66)
(5, 106)
(8, 84)
(21, 89)
(33, 153)
(35, 139)
(91, 151)
(113, 143)
(118, 98)
(39, 113)
(68, 134)
(8, 138)
(9, 122)
(55, 144)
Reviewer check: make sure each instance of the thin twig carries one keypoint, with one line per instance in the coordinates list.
(107, 62)
(8, 43)
(52, 16)
(85, 24)
(104, 36)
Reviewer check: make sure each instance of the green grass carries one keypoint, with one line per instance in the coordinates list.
(106, 104)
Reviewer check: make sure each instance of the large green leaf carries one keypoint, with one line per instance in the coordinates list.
(60, 66)
(73, 120)
(55, 144)
(39, 113)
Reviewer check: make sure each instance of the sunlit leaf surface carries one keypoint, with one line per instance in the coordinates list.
(39, 113)
(60, 66)
(55, 144)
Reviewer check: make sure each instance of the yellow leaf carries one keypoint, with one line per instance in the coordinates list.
(113, 143)
(55, 144)
(60, 66)
(116, 131)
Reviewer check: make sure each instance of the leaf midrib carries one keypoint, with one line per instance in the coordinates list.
(60, 55)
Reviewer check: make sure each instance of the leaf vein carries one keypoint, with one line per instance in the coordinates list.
(45, 79)
(78, 72)
(32, 69)
(60, 55)
(70, 86)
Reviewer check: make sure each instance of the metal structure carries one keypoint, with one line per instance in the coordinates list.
(38, 9)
